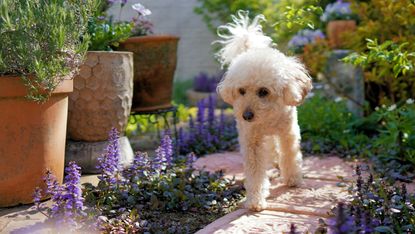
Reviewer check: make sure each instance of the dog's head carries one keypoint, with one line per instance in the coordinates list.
(260, 80)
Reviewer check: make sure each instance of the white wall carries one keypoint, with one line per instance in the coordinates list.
(176, 17)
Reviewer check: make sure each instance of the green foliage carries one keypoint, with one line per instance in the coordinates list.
(388, 57)
(386, 136)
(284, 17)
(107, 35)
(326, 126)
(395, 139)
(142, 124)
(40, 41)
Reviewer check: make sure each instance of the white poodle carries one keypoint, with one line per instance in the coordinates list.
(264, 87)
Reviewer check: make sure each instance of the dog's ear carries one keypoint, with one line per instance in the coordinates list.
(298, 83)
(226, 90)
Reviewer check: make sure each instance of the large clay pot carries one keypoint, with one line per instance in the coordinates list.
(102, 96)
(32, 139)
(155, 59)
(336, 29)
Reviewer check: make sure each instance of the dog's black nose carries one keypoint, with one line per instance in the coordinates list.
(248, 115)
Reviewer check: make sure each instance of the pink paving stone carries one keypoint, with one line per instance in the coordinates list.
(267, 221)
(313, 197)
(325, 168)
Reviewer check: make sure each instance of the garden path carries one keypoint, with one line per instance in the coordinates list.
(326, 182)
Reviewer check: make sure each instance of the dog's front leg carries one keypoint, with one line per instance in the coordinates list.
(256, 179)
(290, 160)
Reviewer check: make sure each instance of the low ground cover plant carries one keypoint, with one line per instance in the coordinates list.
(160, 194)
(376, 207)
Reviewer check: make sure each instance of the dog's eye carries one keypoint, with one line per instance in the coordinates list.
(262, 92)
(242, 91)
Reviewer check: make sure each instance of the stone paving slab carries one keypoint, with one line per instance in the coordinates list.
(22, 219)
(325, 168)
(313, 197)
(267, 221)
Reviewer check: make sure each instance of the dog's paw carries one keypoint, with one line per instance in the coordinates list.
(255, 205)
(293, 181)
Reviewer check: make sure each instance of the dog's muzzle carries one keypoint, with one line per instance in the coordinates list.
(248, 115)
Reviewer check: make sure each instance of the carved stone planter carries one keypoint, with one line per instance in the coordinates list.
(101, 100)
(102, 96)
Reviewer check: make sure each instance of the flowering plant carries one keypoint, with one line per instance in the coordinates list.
(338, 10)
(376, 207)
(209, 133)
(304, 37)
(132, 199)
(106, 33)
(203, 83)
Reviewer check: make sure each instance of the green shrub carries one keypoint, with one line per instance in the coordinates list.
(40, 41)
(391, 27)
(326, 125)
(394, 144)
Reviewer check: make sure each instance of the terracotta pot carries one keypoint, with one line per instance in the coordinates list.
(32, 139)
(102, 96)
(336, 28)
(155, 59)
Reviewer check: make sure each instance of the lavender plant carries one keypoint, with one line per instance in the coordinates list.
(132, 199)
(303, 38)
(208, 133)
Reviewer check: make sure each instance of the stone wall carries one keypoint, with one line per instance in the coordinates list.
(176, 17)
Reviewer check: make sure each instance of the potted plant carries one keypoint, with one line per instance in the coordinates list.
(155, 58)
(102, 94)
(203, 87)
(340, 19)
(40, 51)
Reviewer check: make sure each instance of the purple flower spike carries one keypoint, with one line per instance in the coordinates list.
(108, 163)
(73, 189)
(191, 158)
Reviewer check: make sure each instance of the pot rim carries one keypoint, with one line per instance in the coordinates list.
(109, 52)
(12, 86)
(156, 37)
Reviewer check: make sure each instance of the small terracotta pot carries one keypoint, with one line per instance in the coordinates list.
(336, 28)
(32, 139)
(155, 59)
(102, 96)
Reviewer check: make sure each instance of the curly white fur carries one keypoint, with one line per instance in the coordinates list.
(273, 133)
(242, 35)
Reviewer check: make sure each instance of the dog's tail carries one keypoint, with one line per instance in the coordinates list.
(240, 36)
